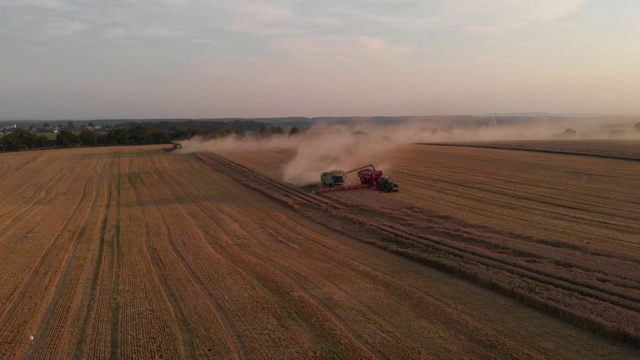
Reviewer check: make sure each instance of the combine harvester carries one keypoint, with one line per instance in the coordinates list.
(334, 180)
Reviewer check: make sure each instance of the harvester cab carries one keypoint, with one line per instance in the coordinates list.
(333, 178)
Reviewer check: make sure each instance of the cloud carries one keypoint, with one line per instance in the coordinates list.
(255, 18)
(372, 43)
(501, 15)
(470, 15)
(320, 20)
(381, 45)
(115, 33)
(264, 13)
(331, 50)
(167, 19)
(160, 33)
(206, 42)
(173, 18)
(43, 4)
(67, 27)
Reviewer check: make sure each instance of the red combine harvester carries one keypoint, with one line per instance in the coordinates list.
(333, 180)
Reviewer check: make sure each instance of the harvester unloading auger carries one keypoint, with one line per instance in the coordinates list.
(334, 180)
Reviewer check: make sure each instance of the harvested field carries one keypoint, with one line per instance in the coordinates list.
(134, 252)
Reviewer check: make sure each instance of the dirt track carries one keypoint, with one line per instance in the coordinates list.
(137, 253)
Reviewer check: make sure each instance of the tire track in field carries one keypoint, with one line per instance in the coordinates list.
(16, 275)
(343, 306)
(501, 266)
(256, 348)
(95, 279)
(101, 324)
(183, 272)
(40, 275)
(144, 330)
(25, 187)
(4, 166)
(329, 328)
(179, 320)
(227, 342)
(200, 273)
(300, 276)
(315, 274)
(59, 310)
(230, 344)
(114, 301)
(22, 165)
(347, 303)
(38, 196)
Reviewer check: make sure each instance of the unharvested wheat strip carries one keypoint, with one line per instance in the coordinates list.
(432, 194)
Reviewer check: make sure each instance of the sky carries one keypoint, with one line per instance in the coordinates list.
(115, 59)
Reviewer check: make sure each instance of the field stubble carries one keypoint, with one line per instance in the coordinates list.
(137, 253)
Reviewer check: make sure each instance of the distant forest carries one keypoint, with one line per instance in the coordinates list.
(30, 135)
(132, 133)
(37, 134)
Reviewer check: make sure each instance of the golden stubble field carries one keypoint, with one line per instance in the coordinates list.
(134, 252)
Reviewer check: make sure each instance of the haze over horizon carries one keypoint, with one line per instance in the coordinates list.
(70, 59)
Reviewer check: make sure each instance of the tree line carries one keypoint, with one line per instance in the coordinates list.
(131, 134)
(140, 135)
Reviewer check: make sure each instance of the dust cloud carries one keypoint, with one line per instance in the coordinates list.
(329, 145)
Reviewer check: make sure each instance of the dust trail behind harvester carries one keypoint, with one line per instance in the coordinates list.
(327, 146)
(320, 148)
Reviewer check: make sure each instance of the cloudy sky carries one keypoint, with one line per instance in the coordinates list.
(83, 59)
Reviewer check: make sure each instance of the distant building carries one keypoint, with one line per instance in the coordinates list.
(10, 128)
